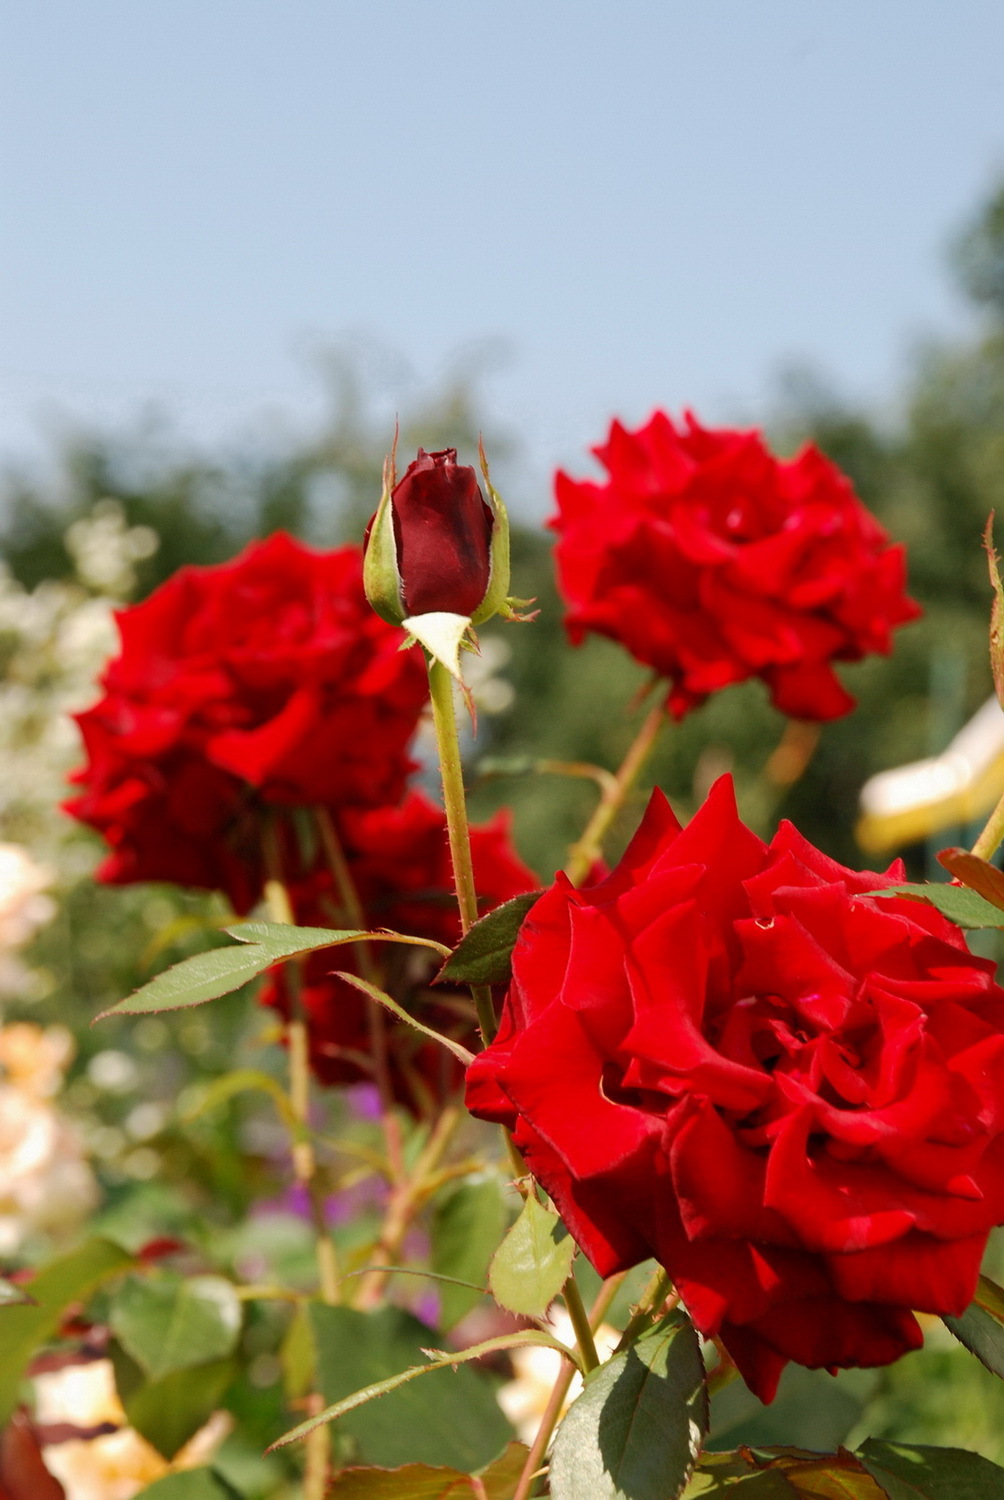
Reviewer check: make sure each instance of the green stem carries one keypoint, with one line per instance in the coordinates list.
(572, 1298)
(652, 1298)
(986, 845)
(405, 1202)
(559, 1393)
(368, 963)
(317, 1467)
(444, 719)
(298, 1047)
(589, 848)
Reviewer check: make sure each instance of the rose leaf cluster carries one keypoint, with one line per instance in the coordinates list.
(399, 861)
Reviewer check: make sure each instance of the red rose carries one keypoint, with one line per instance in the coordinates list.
(731, 1057)
(265, 680)
(443, 531)
(399, 859)
(712, 561)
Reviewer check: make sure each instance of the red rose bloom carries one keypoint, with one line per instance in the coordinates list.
(712, 561)
(399, 859)
(443, 531)
(731, 1057)
(265, 680)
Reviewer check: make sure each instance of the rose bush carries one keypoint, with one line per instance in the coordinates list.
(732, 1057)
(265, 681)
(711, 561)
(399, 861)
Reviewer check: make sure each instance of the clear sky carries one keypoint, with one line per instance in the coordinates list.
(641, 202)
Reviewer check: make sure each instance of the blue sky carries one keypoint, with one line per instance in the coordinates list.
(620, 204)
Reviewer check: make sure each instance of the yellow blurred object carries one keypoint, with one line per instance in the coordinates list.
(119, 1464)
(912, 802)
(46, 1185)
(525, 1398)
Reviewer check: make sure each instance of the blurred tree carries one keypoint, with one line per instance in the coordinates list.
(204, 509)
(933, 476)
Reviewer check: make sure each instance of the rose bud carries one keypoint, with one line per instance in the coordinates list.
(435, 545)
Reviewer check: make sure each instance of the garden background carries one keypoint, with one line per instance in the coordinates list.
(99, 507)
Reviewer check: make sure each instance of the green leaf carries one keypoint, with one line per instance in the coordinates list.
(636, 1430)
(907, 1472)
(957, 902)
(461, 1053)
(532, 1263)
(297, 1355)
(241, 1081)
(483, 956)
(981, 1327)
(169, 1322)
(169, 1411)
(500, 1478)
(360, 1358)
(978, 874)
(195, 980)
(782, 1474)
(720, 1476)
(990, 1297)
(466, 1228)
(24, 1328)
(281, 935)
(222, 970)
(14, 1296)
(192, 1484)
(425, 1482)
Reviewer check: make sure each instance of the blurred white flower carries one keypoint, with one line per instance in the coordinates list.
(104, 548)
(525, 1398)
(120, 1464)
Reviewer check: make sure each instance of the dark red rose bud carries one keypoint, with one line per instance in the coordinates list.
(443, 532)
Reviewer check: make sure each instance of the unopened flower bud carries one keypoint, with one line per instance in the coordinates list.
(436, 546)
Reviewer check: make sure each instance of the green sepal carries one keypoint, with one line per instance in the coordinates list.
(381, 577)
(496, 600)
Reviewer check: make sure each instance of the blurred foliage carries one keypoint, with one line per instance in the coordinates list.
(215, 1179)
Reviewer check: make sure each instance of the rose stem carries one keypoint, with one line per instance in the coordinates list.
(556, 1400)
(572, 1298)
(724, 1372)
(986, 845)
(652, 1297)
(445, 722)
(444, 719)
(317, 1458)
(353, 908)
(589, 847)
(304, 1161)
(405, 1202)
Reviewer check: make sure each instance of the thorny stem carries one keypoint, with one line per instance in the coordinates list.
(353, 907)
(572, 1298)
(405, 1201)
(584, 853)
(559, 1393)
(986, 845)
(652, 1298)
(444, 719)
(317, 1466)
(304, 1160)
